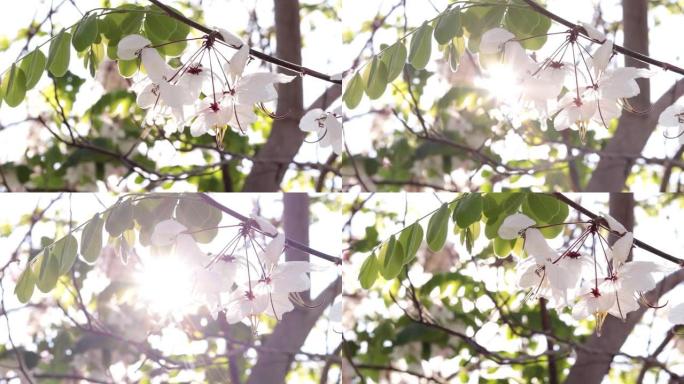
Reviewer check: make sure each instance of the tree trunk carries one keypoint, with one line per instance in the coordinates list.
(633, 129)
(279, 349)
(596, 355)
(286, 137)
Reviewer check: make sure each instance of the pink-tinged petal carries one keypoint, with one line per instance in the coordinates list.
(166, 232)
(493, 40)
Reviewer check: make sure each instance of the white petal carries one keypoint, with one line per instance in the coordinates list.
(621, 249)
(186, 246)
(310, 122)
(274, 249)
(278, 305)
(238, 61)
(537, 247)
(492, 41)
(614, 224)
(669, 118)
(594, 33)
(230, 38)
(165, 232)
(513, 224)
(147, 98)
(157, 69)
(676, 315)
(130, 45)
(264, 225)
(602, 57)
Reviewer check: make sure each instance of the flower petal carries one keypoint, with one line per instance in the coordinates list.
(130, 45)
(513, 224)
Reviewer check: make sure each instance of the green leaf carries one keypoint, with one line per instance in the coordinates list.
(560, 217)
(392, 255)
(376, 78)
(25, 285)
(448, 26)
(86, 33)
(421, 46)
(394, 58)
(354, 92)
(131, 23)
(502, 247)
(521, 21)
(91, 239)
(59, 53)
(65, 251)
(33, 66)
(454, 57)
(468, 210)
(438, 227)
(175, 49)
(159, 25)
(543, 207)
(120, 218)
(197, 215)
(410, 239)
(369, 272)
(127, 68)
(47, 270)
(14, 86)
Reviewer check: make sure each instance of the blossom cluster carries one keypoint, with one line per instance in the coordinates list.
(573, 87)
(244, 279)
(210, 92)
(592, 279)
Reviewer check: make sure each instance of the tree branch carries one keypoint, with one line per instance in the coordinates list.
(288, 242)
(268, 58)
(637, 242)
(618, 48)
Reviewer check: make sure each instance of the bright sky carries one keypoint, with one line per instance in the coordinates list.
(318, 53)
(661, 231)
(662, 27)
(322, 339)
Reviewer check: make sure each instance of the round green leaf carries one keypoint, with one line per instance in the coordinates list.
(91, 239)
(46, 268)
(369, 272)
(120, 219)
(437, 229)
(468, 210)
(502, 247)
(199, 217)
(448, 26)
(127, 68)
(543, 207)
(421, 47)
(392, 256)
(176, 49)
(25, 284)
(410, 239)
(86, 33)
(376, 78)
(454, 57)
(59, 53)
(33, 66)
(14, 86)
(158, 25)
(394, 58)
(354, 92)
(65, 251)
